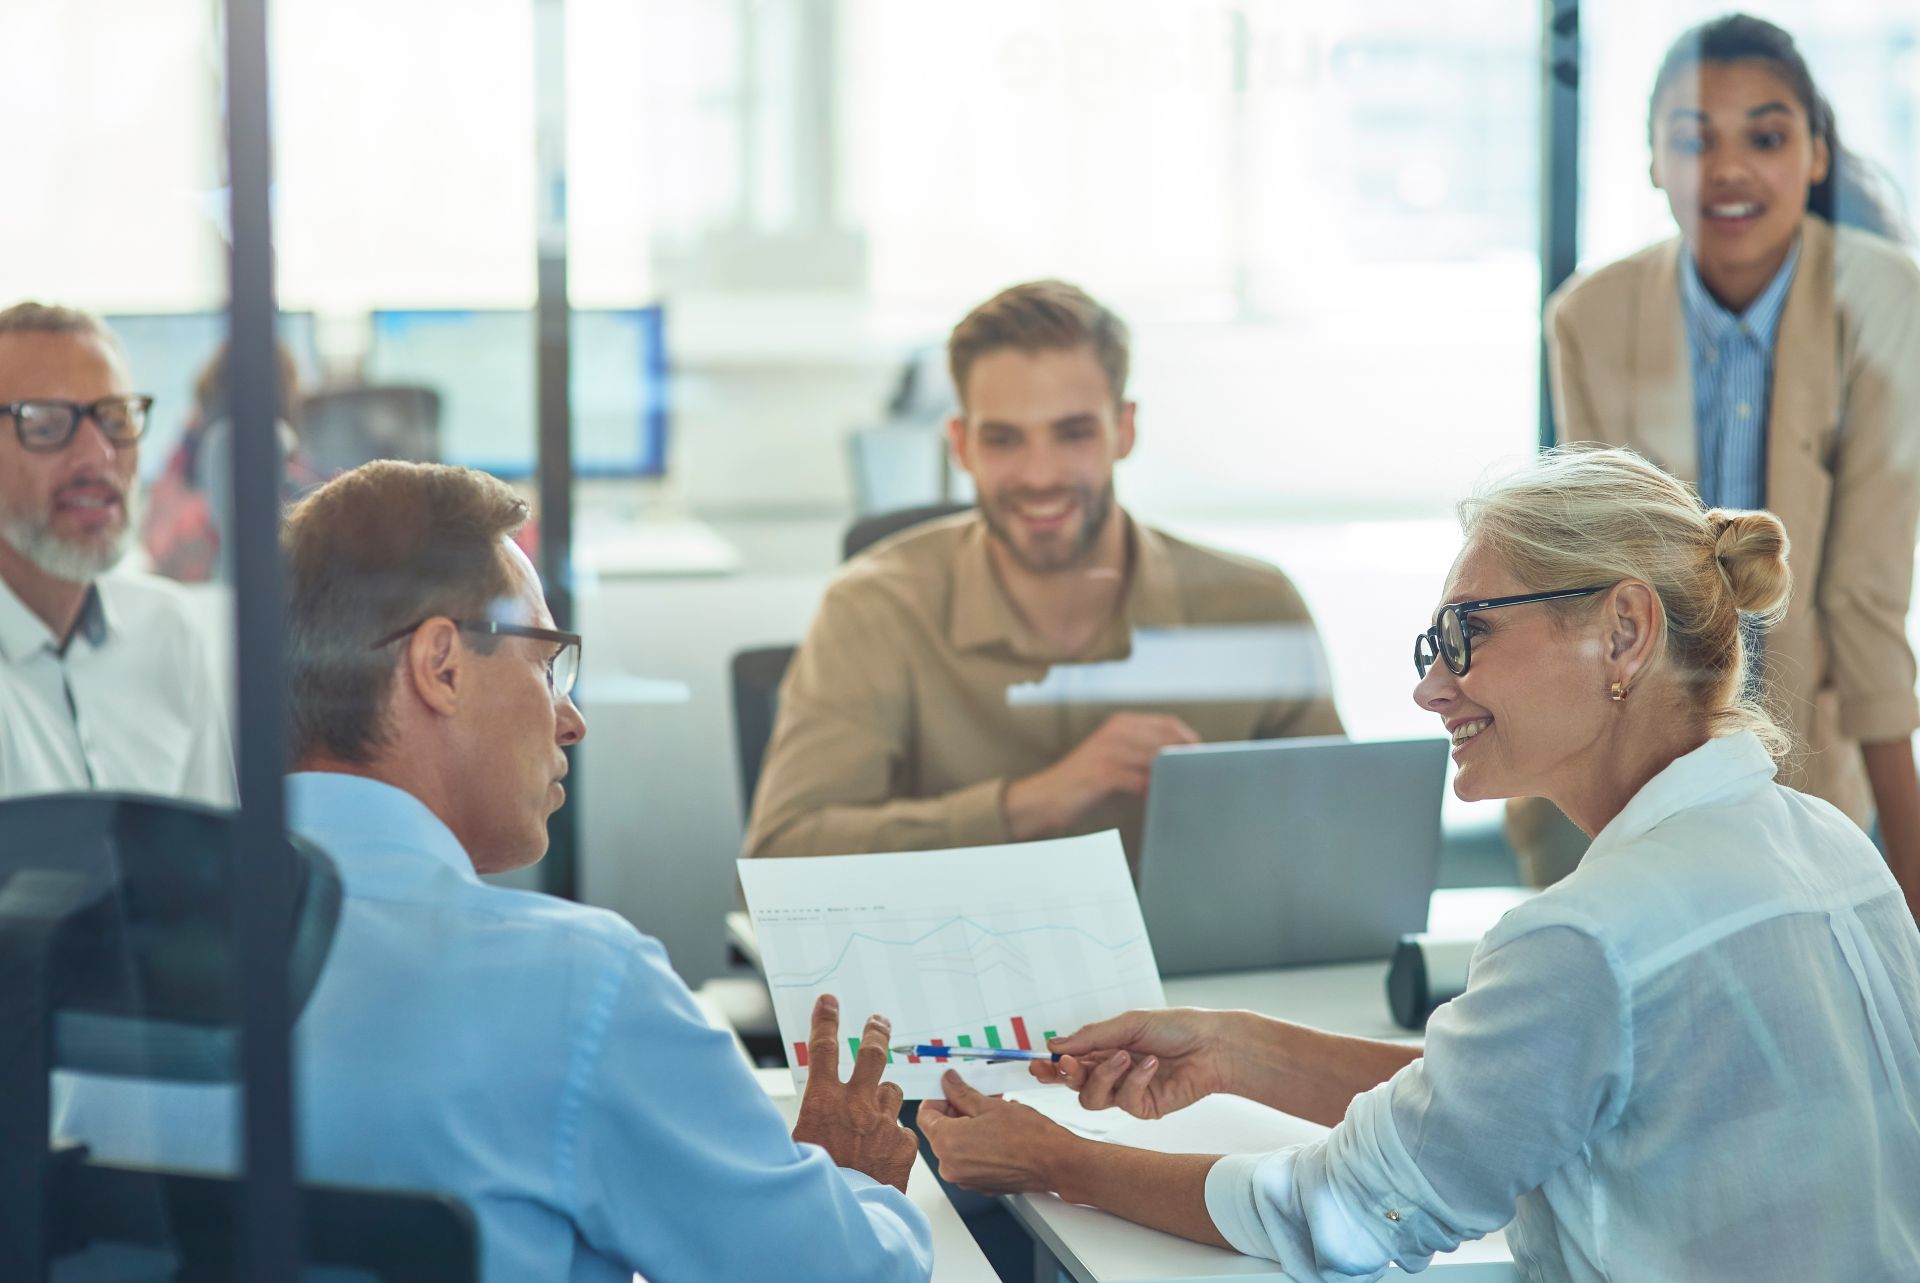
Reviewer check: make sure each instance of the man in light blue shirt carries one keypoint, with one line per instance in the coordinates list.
(536, 1058)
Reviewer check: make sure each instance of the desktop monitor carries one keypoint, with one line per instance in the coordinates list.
(482, 365)
(165, 354)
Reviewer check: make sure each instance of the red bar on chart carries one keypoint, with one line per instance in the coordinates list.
(800, 1054)
(1020, 1038)
(938, 1043)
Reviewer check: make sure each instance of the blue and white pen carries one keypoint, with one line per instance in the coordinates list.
(989, 1054)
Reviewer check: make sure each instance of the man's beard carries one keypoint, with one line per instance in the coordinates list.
(1096, 507)
(31, 535)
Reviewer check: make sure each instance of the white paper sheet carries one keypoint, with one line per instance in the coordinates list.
(1211, 1125)
(1198, 664)
(966, 947)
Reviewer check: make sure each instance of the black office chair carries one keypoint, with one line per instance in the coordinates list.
(868, 531)
(757, 674)
(115, 958)
(342, 428)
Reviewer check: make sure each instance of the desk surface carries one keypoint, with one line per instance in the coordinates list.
(956, 1257)
(1096, 1247)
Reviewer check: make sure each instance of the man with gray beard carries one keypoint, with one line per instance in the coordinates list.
(103, 681)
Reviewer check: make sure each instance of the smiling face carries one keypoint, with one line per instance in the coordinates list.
(512, 762)
(1735, 154)
(65, 512)
(1530, 706)
(1040, 435)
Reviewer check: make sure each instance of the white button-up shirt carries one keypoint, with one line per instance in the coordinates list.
(1694, 1058)
(128, 704)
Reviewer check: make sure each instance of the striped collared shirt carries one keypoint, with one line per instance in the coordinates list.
(1732, 358)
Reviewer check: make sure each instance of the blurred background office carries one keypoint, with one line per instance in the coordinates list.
(1323, 223)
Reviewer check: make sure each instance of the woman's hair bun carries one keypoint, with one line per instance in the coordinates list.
(1751, 549)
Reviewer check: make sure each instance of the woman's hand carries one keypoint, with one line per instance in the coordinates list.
(1149, 1063)
(993, 1145)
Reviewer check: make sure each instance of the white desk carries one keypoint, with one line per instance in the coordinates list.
(1348, 998)
(956, 1257)
(1095, 1247)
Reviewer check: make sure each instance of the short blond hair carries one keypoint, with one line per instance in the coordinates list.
(1582, 515)
(1040, 316)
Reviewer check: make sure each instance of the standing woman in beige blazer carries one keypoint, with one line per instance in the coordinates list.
(1770, 355)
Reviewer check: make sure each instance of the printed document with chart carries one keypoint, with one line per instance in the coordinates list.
(992, 947)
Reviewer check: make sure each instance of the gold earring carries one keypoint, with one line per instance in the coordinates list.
(1618, 692)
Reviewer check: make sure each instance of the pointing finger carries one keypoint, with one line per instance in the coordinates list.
(823, 1040)
(871, 1061)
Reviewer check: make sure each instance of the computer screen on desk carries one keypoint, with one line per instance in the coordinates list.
(166, 352)
(482, 365)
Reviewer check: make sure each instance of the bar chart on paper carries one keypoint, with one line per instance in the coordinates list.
(991, 948)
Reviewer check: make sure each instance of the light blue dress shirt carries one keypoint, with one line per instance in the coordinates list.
(1732, 362)
(1693, 1058)
(537, 1058)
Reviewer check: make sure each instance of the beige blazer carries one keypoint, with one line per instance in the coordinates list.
(1843, 468)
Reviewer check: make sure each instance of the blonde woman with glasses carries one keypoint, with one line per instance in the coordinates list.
(1694, 1057)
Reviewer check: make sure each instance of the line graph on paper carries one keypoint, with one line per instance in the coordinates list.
(996, 947)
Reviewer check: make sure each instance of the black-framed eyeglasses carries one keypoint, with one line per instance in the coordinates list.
(563, 666)
(1448, 639)
(45, 426)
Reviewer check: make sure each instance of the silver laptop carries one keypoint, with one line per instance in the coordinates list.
(1285, 852)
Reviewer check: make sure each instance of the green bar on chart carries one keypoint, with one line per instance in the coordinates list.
(1048, 1036)
(965, 1040)
(993, 1037)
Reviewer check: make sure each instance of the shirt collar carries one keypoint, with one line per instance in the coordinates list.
(980, 615)
(366, 824)
(1707, 319)
(23, 633)
(1723, 767)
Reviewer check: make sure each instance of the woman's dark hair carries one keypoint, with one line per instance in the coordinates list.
(1853, 192)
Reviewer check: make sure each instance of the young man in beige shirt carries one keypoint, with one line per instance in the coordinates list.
(900, 724)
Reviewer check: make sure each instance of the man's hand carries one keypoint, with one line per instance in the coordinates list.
(857, 1122)
(994, 1145)
(1117, 758)
(1149, 1063)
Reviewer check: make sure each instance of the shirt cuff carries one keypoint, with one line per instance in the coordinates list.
(1878, 719)
(1231, 1204)
(974, 817)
